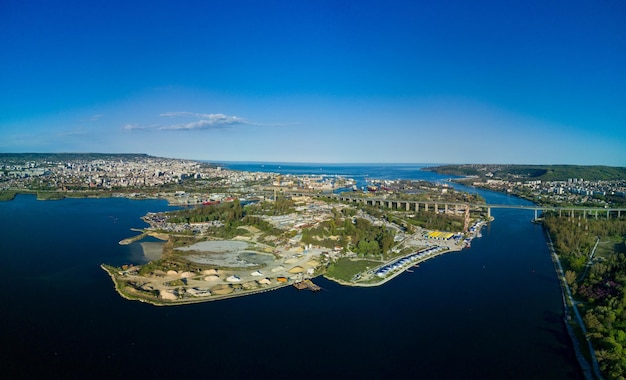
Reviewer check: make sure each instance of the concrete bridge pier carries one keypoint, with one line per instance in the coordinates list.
(489, 212)
(535, 214)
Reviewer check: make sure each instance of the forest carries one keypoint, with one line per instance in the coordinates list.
(593, 255)
(534, 172)
(357, 235)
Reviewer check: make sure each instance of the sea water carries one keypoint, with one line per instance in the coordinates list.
(490, 311)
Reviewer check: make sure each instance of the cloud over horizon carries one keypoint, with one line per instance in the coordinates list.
(203, 121)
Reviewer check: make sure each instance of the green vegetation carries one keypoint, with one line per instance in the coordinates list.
(47, 195)
(345, 269)
(535, 172)
(360, 236)
(231, 214)
(7, 195)
(56, 195)
(598, 286)
(435, 221)
(228, 212)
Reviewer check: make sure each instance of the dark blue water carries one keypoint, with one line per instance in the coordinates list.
(359, 172)
(493, 311)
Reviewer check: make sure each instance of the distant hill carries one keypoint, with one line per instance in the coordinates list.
(534, 172)
(60, 157)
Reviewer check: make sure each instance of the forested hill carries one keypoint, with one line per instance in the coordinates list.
(533, 172)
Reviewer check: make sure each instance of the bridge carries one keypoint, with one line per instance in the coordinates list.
(459, 208)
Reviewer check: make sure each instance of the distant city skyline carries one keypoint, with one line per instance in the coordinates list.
(523, 82)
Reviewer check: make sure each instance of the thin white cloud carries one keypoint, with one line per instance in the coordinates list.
(207, 121)
(134, 127)
(182, 114)
(201, 121)
(92, 119)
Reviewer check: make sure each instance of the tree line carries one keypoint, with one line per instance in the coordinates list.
(597, 284)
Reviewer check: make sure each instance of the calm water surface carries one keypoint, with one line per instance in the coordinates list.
(490, 312)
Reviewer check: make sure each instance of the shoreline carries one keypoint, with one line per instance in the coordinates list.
(372, 279)
(156, 301)
(160, 302)
(393, 275)
(588, 370)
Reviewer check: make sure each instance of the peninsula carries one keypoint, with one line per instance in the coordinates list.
(231, 247)
(241, 233)
(258, 248)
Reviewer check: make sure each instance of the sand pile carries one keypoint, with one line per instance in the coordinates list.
(250, 285)
(221, 289)
(167, 295)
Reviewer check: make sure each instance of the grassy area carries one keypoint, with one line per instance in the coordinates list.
(57, 195)
(7, 195)
(610, 246)
(345, 269)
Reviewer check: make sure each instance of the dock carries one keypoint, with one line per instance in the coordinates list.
(307, 284)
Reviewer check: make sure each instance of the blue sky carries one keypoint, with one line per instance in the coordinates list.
(317, 81)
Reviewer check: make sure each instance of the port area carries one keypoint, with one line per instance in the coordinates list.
(380, 275)
(425, 245)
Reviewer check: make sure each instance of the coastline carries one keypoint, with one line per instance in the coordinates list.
(157, 301)
(569, 304)
(187, 301)
(393, 275)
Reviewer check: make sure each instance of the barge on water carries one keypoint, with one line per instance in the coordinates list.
(307, 284)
